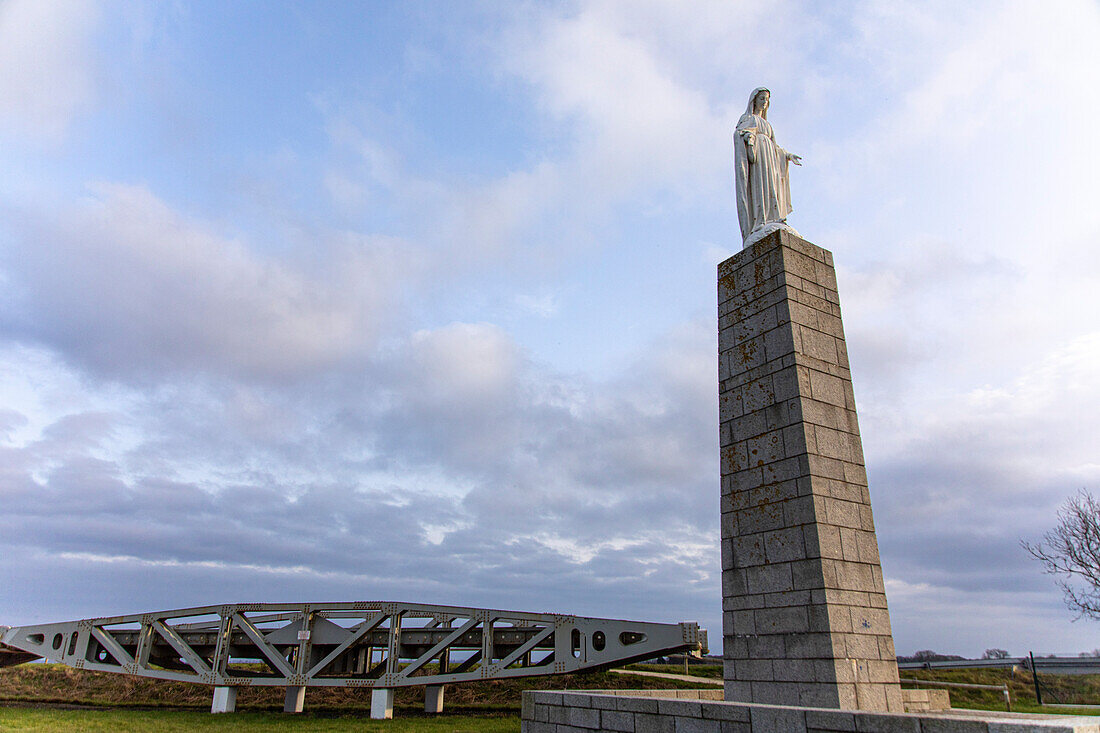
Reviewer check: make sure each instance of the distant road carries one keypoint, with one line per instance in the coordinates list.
(1050, 665)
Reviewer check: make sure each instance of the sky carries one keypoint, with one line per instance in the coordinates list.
(416, 301)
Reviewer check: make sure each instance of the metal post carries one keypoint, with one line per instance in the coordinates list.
(1008, 699)
(225, 700)
(433, 699)
(1035, 679)
(381, 703)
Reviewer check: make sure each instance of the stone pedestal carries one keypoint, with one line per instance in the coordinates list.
(804, 608)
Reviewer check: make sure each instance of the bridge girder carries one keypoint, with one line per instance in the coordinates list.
(358, 644)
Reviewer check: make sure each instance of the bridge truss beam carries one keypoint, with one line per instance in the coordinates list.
(377, 645)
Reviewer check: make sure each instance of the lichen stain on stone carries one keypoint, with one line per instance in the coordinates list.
(747, 350)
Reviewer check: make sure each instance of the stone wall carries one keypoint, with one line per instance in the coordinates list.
(804, 607)
(651, 712)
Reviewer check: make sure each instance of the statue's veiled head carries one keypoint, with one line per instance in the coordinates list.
(759, 101)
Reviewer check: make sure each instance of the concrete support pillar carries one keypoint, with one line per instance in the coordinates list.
(225, 700)
(295, 699)
(433, 699)
(805, 618)
(381, 703)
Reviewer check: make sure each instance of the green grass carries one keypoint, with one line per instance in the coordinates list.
(1069, 689)
(30, 720)
(41, 697)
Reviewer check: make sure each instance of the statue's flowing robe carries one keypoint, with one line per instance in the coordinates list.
(763, 186)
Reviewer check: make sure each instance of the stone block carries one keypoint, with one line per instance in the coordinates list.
(766, 448)
(697, 725)
(734, 583)
(636, 704)
(827, 388)
(557, 715)
(780, 471)
(734, 458)
(784, 545)
(830, 720)
(797, 440)
(887, 723)
(800, 510)
(824, 466)
(843, 513)
(868, 548)
(735, 690)
(809, 646)
(870, 621)
(647, 723)
(739, 481)
(769, 719)
(823, 540)
(832, 443)
(780, 341)
(752, 425)
(853, 576)
(765, 647)
(955, 725)
(753, 670)
(732, 713)
(760, 518)
(807, 574)
(680, 708)
(816, 345)
(758, 394)
(583, 717)
(751, 353)
(795, 670)
(786, 598)
(791, 620)
(740, 622)
(617, 720)
(575, 699)
(748, 551)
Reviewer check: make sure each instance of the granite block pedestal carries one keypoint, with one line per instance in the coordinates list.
(804, 607)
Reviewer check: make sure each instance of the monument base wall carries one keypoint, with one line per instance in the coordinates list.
(680, 711)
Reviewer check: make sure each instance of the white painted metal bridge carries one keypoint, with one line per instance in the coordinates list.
(376, 645)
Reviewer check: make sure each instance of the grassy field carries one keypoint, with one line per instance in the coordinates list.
(30, 720)
(44, 697)
(1070, 689)
(56, 698)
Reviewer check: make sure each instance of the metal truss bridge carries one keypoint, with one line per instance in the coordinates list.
(376, 645)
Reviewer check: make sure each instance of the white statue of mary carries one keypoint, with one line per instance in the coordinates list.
(763, 186)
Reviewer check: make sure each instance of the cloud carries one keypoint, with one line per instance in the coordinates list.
(127, 286)
(46, 65)
(450, 473)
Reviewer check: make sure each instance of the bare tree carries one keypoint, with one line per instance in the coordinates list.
(1072, 551)
(995, 654)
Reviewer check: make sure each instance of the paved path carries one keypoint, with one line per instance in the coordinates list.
(667, 676)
